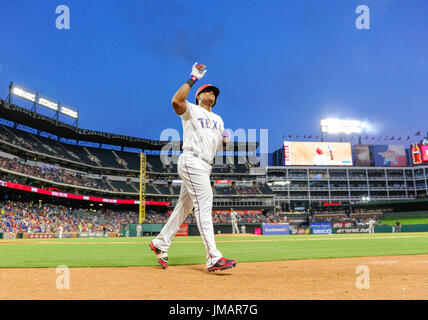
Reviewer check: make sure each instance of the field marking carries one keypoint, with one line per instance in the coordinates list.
(421, 261)
(42, 241)
(383, 262)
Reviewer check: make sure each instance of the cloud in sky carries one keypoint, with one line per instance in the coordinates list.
(165, 28)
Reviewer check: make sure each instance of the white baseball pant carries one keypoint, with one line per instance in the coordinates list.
(235, 227)
(196, 192)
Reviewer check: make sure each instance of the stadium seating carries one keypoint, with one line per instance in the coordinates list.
(123, 186)
(106, 158)
(103, 158)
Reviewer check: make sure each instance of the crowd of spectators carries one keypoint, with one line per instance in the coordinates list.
(238, 190)
(17, 141)
(51, 173)
(27, 217)
(58, 174)
(225, 217)
(155, 218)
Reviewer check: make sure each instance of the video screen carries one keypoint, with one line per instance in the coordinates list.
(317, 153)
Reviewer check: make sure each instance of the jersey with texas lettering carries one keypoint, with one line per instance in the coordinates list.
(202, 130)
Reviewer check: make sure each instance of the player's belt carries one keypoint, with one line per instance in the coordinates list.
(199, 155)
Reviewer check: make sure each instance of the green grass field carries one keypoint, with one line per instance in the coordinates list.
(423, 220)
(123, 252)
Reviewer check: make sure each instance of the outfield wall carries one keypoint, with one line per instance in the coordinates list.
(20, 235)
(152, 229)
(405, 215)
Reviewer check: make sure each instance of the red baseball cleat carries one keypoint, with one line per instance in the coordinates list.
(161, 256)
(222, 264)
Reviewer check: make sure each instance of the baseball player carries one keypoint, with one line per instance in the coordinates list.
(321, 159)
(243, 229)
(203, 135)
(139, 230)
(61, 229)
(371, 225)
(234, 220)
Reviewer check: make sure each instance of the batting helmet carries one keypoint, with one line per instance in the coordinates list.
(207, 87)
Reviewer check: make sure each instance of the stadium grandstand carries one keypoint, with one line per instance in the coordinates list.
(56, 174)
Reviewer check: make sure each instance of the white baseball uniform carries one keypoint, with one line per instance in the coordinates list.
(139, 229)
(61, 229)
(234, 219)
(371, 225)
(202, 137)
(243, 229)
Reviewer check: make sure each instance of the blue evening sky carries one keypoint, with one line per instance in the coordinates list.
(280, 65)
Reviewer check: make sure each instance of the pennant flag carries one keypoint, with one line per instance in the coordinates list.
(418, 133)
(392, 138)
(408, 138)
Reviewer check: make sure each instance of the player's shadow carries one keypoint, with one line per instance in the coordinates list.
(215, 273)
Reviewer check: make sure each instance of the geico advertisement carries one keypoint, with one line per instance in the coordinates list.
(317, 153)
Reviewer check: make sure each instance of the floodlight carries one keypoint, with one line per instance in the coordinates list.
(341, 126)
(48, 104)
(69, 112)
(24, 94)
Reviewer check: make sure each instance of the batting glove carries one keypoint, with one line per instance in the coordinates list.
(198, 71)
(226, 136)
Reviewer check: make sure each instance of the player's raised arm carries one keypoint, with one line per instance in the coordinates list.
(179, 99)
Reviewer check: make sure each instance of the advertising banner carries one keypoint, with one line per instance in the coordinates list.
(389, 155)
(272, 229)
(8, 235)
(352, 230)
(41, 235)
(424, 151)
(317, 153)
(416, 154)
(343, 224)
(183, 231)
(64, 235)
(223, 182)
(321, 227)
(90, 235)
(362, 155)
(76, 196)
(239, 212)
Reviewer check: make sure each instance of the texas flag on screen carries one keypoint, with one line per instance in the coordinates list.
(394, 156)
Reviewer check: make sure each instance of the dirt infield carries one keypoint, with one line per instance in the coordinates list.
(397, 277)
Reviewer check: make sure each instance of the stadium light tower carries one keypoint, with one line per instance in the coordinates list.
(338, 126)
(37, 99)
